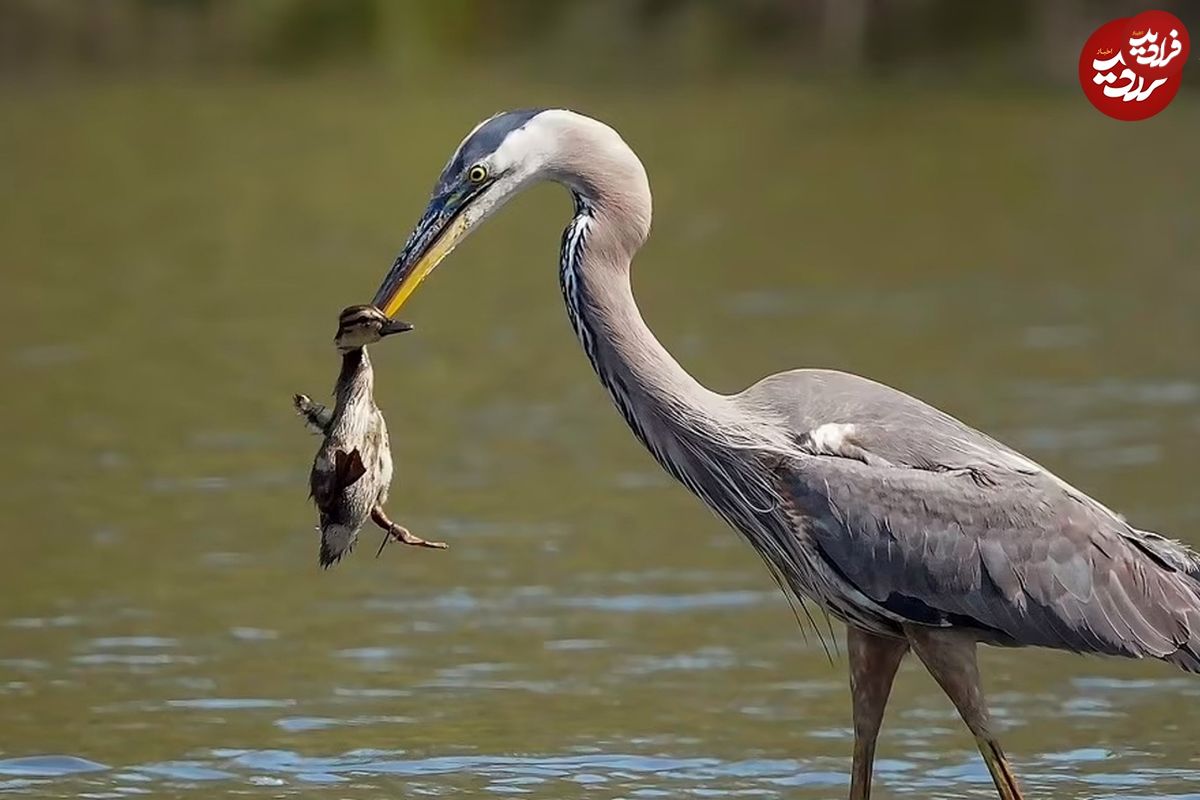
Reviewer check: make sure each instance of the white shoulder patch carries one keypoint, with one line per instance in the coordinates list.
(831, 437)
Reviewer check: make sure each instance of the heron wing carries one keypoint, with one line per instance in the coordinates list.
(1013, 555)
(887, 422)
(840, 414)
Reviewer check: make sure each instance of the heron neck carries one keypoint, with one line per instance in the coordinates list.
(649, 387)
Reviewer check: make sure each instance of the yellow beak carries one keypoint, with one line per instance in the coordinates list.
(406, 282)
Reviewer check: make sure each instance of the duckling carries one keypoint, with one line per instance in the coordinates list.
(353, 469)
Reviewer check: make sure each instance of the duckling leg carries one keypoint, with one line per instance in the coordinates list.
(399, 532)
(317, 417)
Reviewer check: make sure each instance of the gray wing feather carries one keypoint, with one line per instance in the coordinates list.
(1012, 555)
(938, 523)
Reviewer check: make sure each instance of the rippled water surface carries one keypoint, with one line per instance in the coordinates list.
(174, 260)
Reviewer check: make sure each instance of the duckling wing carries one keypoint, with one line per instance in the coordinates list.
(327, 485)
(349, 467)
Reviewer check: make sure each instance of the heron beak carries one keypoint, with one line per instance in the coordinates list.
(441, 228)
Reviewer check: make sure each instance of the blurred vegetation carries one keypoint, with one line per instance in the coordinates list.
(1032, 40)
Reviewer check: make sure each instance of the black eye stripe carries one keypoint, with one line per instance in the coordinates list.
(486, 139)
(358, 320)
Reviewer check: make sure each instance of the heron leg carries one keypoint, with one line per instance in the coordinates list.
(399, 533)
(874, 660)
(951, 659)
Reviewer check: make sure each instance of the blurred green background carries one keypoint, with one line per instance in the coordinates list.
(947, 41)
(915, 191)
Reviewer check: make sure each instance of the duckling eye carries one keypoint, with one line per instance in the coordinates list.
(477, 174)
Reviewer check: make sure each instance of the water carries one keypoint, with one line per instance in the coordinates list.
(176, 253)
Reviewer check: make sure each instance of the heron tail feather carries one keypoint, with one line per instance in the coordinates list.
(1187, 657)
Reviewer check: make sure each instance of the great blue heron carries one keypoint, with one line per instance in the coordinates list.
(917, 531)
(352, 470)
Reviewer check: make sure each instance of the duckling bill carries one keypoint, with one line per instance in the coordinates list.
(352, 470)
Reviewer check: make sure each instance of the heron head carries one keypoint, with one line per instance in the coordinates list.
(501, 156)
(359, 326)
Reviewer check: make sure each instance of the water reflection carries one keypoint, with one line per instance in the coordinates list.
(625, 774)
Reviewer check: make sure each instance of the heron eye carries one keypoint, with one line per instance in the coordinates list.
(477, 174)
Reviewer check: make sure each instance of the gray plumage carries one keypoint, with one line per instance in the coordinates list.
(352, 470)
(951, 529)
(916, 530)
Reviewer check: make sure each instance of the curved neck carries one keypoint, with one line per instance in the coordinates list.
(695, 434)
(657, 397)
(612, 220)
(609, 322)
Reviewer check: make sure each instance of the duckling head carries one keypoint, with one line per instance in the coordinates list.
(359, 326)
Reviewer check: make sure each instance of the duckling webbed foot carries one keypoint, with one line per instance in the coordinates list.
(399, 533)
(317, 418)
